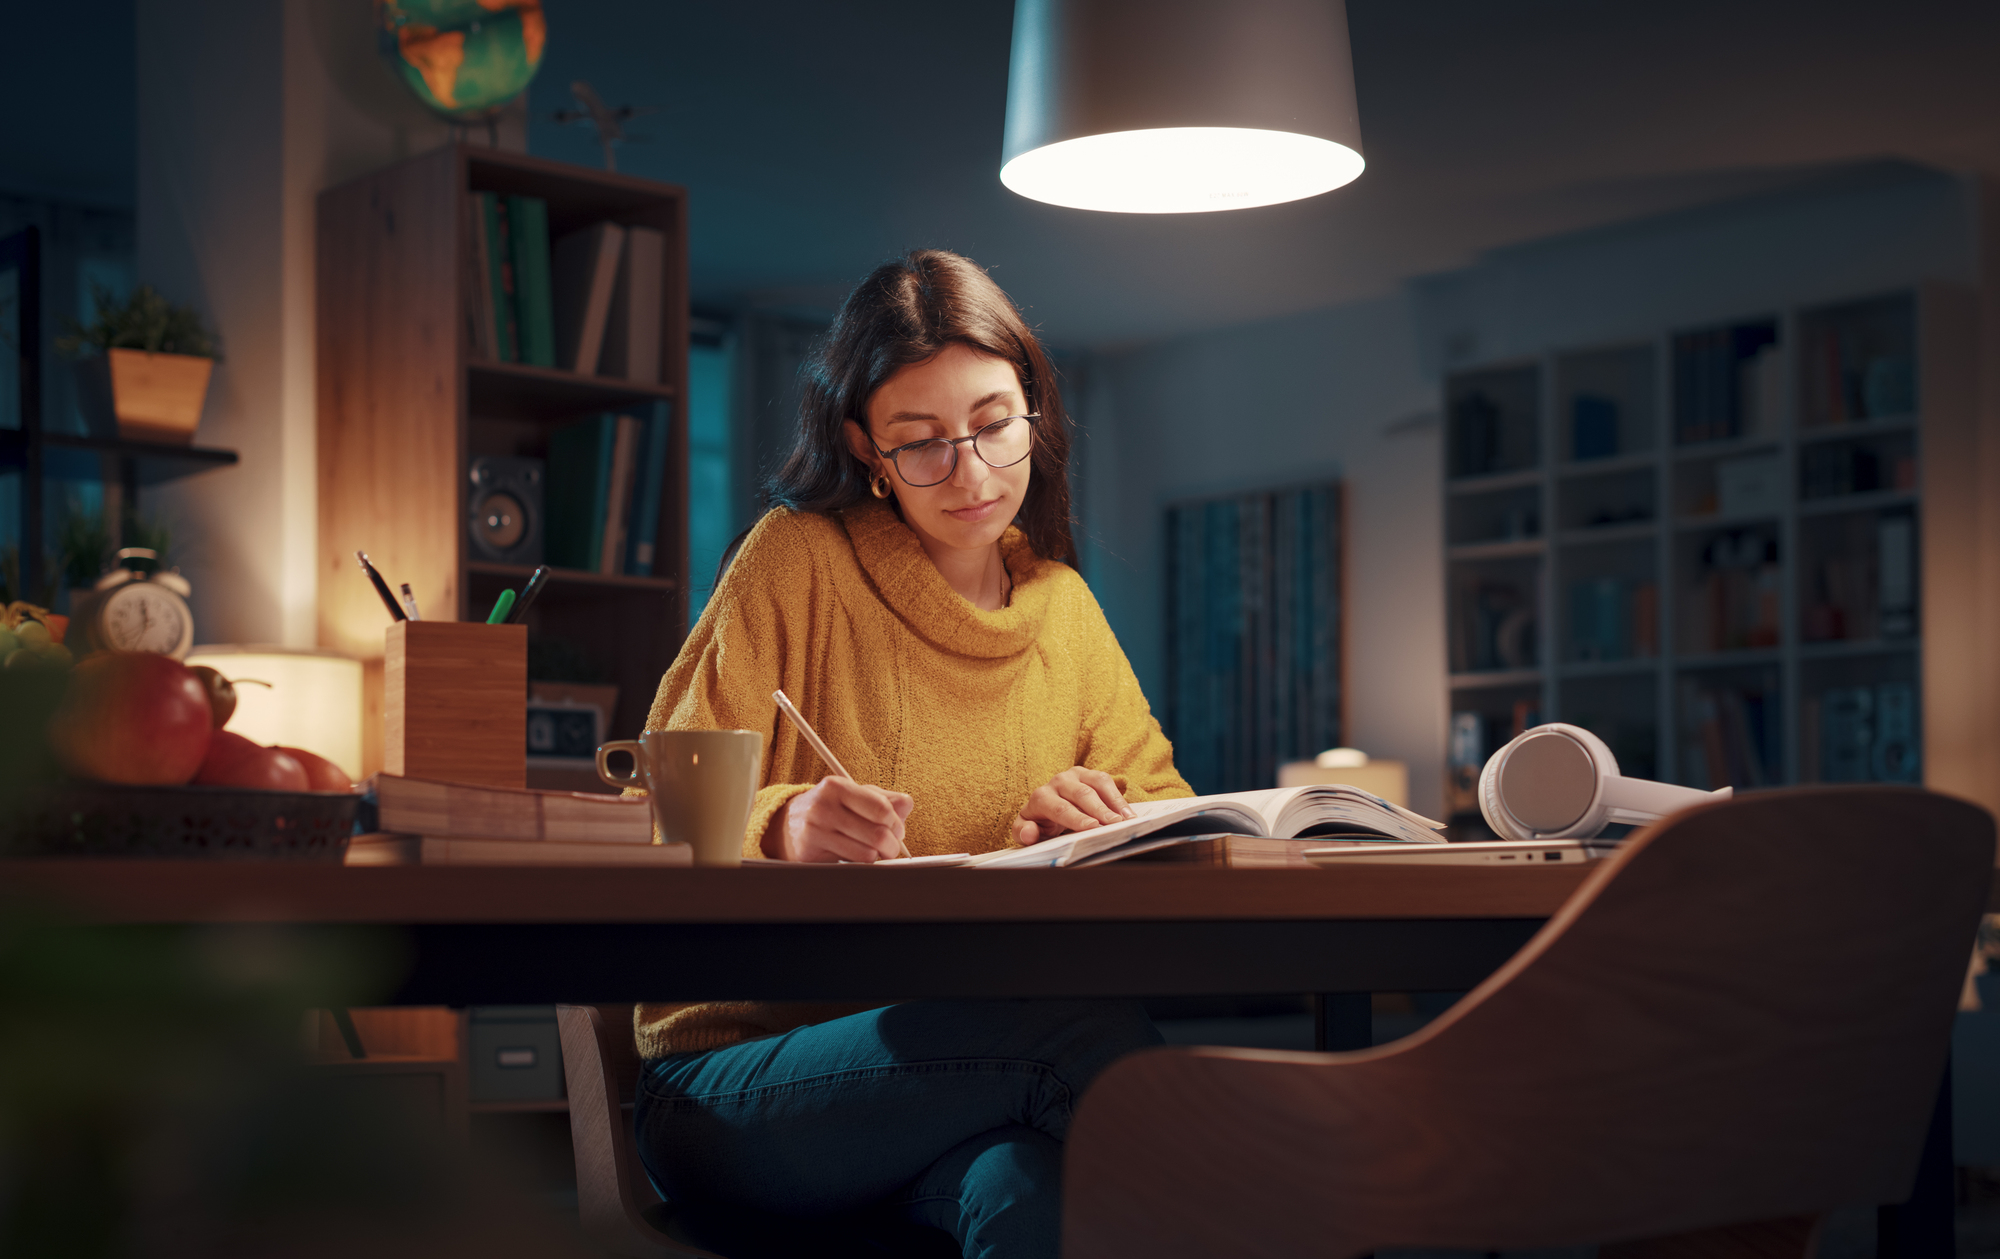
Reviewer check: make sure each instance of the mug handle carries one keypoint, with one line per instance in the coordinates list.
(604, 767)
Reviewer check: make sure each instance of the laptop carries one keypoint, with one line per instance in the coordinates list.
(1497, 852)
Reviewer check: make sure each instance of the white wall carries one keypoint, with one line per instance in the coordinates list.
(1352, 392)
(247, 110)
(1330, 395)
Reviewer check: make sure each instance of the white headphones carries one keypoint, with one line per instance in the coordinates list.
(1561, 782)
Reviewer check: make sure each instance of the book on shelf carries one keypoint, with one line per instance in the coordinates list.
(495, 239)
(528, 226)
(646, 509)
(1280, 813)
(386, 849)
(578, 486)
(1730, 736)
(633, 328)
(480, 289)
(618, 495)
(583, 271)
(603, 492)
(421, 806)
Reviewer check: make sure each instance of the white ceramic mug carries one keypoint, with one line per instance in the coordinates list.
(701, 782)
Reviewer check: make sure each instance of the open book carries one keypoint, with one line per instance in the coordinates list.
(1322, 810)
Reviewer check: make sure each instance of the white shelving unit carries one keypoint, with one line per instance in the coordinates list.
(1692, 544)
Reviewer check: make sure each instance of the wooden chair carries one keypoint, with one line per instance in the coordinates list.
(1738, 1023)
(623, 1213)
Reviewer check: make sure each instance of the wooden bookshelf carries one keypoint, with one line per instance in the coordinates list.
(1605, 484)
(404, 405)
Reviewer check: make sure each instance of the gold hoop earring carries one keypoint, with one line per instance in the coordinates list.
(879, 487)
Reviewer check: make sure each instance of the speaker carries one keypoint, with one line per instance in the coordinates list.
(1561, 782)
(503, 513)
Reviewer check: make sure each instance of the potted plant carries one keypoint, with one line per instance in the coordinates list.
(151, 359)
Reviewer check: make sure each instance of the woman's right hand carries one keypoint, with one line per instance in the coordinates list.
(839, 820)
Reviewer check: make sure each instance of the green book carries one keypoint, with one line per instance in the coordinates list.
(500, 274)
(578, 486)
(528, 217)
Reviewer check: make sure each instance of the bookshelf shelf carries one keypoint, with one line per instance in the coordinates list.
(1508, 550)
(1491, 678)
(1604, 535)
(521, 391)
(1640, 666)
(1751, 481)
(1580, 468)
(1494, 481)
(1725, 448)
(1857, 428)
(1847, 649)
(1718, 521)
(574, 576)
(406, 401)
(1834, 504)
(1745, 657)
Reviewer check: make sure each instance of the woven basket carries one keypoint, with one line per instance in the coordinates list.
(195, 823)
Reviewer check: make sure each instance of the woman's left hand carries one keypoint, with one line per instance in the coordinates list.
(1074, 800)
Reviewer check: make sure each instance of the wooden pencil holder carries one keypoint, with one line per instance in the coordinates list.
(455, 702)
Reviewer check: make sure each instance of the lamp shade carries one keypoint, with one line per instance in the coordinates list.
(313, 700)
(1179, 106)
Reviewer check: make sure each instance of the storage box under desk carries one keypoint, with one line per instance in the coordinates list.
(455, 702)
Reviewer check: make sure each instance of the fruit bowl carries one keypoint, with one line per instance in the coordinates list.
(91, 819)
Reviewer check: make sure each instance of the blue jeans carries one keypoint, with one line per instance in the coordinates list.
(951, 1112)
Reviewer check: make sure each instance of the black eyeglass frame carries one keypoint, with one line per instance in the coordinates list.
(955, 443)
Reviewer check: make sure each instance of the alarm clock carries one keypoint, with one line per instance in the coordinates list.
(135, 607)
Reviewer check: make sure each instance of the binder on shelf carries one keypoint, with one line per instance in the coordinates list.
(617, 500)
(579, 479)
(633, 331)
(528, 222)
(498, 242)
(646, 512)
(583, 268)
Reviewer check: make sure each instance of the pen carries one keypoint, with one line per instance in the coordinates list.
(501, 606)
(381, 587)
(817, 744)
(410, 603)
(529, 593)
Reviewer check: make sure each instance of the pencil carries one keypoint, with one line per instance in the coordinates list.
(817, 744)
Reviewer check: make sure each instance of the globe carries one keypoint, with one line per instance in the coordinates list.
(463, 58)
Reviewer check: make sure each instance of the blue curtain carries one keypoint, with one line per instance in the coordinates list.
(1253, 634)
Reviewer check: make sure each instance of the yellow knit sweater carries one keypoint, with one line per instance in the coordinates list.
(914, 689)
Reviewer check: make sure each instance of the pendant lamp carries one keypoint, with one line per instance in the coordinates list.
(1179, 106)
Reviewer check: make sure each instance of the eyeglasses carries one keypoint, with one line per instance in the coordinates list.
(1002, 444)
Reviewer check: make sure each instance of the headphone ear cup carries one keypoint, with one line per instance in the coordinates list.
(1490, 806)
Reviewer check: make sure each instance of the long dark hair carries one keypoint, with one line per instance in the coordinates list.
(907, 311)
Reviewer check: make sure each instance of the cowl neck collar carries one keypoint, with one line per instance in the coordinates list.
(920, 597)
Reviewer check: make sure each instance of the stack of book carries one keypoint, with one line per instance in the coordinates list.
(591, 301)
(421, 822)
(604, 487)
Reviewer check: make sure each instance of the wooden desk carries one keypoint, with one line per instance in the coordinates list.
(504, 936)
(539, 935)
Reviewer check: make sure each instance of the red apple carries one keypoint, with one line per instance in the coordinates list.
(132, 717)
(325, 775)
(234, 761)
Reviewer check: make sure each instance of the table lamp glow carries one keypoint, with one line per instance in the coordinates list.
(313, 700)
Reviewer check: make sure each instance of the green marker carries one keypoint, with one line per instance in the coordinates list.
(501, 607)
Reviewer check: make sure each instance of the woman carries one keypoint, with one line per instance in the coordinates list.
(912, 594)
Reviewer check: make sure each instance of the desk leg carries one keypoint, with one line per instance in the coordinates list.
(1341, 1021)
(1923, 1227)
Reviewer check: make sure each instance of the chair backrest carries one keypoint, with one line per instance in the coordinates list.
(601, 1065)
(1742, 1016)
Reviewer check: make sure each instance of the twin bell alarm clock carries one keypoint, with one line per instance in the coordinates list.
(136, 607)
